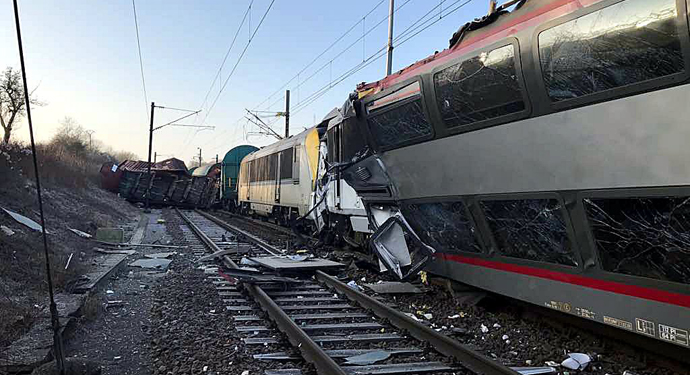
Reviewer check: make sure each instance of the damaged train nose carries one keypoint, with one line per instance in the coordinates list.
(400, 251)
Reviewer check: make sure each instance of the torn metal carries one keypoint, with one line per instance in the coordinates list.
(398, 247)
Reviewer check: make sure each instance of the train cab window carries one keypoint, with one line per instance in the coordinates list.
(446, 226)
(645, 237)
(533, 229)
(626, 43)
(398, 118)
(286, 163)
(480, 88)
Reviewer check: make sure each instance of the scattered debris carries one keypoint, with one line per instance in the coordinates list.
(413, 316)
(245, 372)
(8, 232)
(162, 221)
(504, 337)
(111, 304)
(428, 316)
(24, 220)
(353, 284)
(161, 264)
(210, 270)
(298, 258)
(69, 260)
(215, 255)
(109, 292)
(484, 328)
(117, 357)
(128, 252)
(534, 370)
(160, 255)
(112, 235)
(80, 233)
(140, 245)
(459, 331)
(576, 361)
(368, 358)
(285, 264)
(496, 325)
(454, 316)
(552, 363)
(253, 277)
(391, 287)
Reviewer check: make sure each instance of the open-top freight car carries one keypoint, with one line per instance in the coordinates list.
(542, 156)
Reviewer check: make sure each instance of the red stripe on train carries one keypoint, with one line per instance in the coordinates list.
(609, 286)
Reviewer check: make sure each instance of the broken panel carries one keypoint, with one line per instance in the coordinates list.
(444, 225)
(398, 118)
(532, 229)
(628, 42)
(480, 88)
(648, 237)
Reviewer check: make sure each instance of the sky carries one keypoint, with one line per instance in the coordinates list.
(82, 57)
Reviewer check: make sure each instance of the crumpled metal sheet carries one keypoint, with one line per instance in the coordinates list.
(533, 229)
(21, 219)
(648, 237)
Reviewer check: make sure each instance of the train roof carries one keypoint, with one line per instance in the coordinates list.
(237, 153)
(281, 144)
(480, 33)
(205, 169)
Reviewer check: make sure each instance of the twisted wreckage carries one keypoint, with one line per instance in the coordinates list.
(170, 183)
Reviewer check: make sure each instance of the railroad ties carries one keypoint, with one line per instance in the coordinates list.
(326, 325)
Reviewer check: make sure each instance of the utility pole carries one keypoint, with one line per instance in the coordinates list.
(216, 158)
(287, 113)
(148, 190)
(90, 133)
(389, 58)
(199, 156)
(155, 154)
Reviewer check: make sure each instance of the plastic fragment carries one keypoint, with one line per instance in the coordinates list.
(428, 316)
(484, 328)
(8, 232)
(505, 337)
(80, 233)
(496, 325)
(552, 363)
(352, 284)
(576, 361)
(454, 316)
(21, 219)
(534, 370)
(368, 358)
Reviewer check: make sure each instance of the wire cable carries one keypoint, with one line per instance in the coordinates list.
(141, 63)
(222, 64)
(58, 349)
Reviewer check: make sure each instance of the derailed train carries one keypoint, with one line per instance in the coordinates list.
(541, 156)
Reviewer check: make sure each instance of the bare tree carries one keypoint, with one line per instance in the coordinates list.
(12, 103)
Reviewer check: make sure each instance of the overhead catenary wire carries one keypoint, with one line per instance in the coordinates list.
(377, 55)
(227, 53)
(141, 62)
(329, 63)
(232, 72)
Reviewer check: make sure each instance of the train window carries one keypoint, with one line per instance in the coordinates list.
(645, 237)
(286, 163)
(272, 161)
(295, 166)
(625, 43)
(398, 118)
(533, 229)
(478, 89)
(445, 226)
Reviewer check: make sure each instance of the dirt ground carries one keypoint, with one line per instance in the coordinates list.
(23, 286)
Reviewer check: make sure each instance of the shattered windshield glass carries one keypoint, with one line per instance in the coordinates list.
(533, 229)
(445, 226)
(628, 42)
(480, 88)
(400, 125)
(648, 237)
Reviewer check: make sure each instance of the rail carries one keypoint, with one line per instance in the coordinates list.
(311, 351)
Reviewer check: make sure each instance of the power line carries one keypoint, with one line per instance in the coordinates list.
(141, 63)
(239, 59)
(222, 64)
(322, 53)
(377, 55)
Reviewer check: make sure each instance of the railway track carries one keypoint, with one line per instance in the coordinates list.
(336, 329)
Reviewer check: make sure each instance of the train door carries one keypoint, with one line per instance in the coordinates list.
(276, 160)
(247, 179)
(337, 159)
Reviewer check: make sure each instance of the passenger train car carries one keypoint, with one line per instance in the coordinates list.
(542, 156)
(291, 179)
